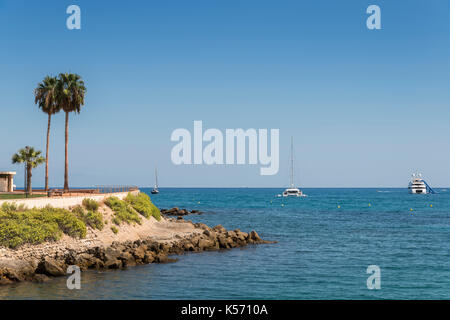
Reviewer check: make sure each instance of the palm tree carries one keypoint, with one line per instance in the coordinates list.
(45, 95)
(32, 158)
(71, 91)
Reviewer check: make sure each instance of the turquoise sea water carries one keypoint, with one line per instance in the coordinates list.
(323, 250)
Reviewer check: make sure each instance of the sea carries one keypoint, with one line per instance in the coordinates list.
(332, 244)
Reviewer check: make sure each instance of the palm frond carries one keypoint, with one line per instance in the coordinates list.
(29, 155)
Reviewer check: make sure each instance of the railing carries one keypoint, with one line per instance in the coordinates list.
(114, 189)
(95, 190)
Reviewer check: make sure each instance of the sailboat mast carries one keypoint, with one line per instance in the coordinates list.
(292, 162)
(156, 178)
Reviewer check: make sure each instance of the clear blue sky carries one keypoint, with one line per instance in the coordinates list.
(366, 108)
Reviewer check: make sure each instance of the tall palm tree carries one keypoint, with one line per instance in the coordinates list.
(45, 96)
(71, 91)
(32, 158)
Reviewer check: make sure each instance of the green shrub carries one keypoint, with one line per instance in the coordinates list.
(6, 206)
(90, 204)
(142, 204)
(78, 211)
(94, 219)
(114, 229)
(123, 212)
(69, 223)
(36, 226)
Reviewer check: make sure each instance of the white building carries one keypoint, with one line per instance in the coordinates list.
(7, 181)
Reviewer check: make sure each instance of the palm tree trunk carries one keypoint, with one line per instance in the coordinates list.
(46, 153)
(66, 168)
(29, 191)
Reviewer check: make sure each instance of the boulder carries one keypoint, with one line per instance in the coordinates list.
(96, 263)
(231, 243)
(111, 254)
(149, 257)
(113, 264)
(254, 236)
(111, 258)
(40, 278)
(127, 259)
(204, 244)
(231, 234)
(219, 228)
(15, 270)
(162, 258)
(51, 267)
(83, 260)
(223, 243)
(242, 236)
(202, 226)
(139, 252)
(187, 245)
(210, 234)
(10, 275)
(152, 246)
(173, 211)
(179, 212)
(177, 248)
(98, 252)
(164, 247)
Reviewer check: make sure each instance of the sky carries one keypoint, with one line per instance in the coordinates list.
(365, 107)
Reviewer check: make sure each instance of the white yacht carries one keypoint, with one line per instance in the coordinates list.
(292, 191)
(418, 185)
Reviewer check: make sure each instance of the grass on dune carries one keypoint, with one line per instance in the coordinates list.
(89, 214)
(142, 204)
(19, 226)
(130, 209)
(123, 212)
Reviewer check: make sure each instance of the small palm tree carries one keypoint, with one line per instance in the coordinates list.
(71, 91)
(32, 158)
(46, 98)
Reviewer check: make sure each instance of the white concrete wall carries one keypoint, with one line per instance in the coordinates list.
(64, 202)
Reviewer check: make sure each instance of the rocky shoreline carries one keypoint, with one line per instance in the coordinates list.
(175, 211)
(120, 255)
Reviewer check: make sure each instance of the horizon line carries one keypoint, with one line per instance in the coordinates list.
(241, 187)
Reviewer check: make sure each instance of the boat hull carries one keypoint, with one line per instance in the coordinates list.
(293, 192)
(418, 191)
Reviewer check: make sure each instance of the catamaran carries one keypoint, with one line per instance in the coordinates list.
(292, 191)
(155, 189)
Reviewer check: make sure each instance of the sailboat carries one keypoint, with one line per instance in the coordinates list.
(292, 191)
(155, 189)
